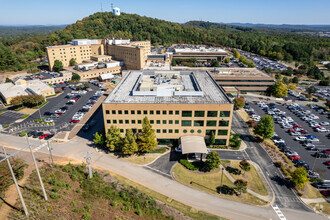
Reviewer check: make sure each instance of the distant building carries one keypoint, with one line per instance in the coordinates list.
(176, 103)
(116, 11)
(19, 87)
(133, 54)
(200, 54)
(243, 79)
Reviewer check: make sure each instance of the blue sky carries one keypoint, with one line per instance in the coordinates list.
(50, 12)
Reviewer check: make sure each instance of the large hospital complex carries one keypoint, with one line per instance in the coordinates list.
(176, 103)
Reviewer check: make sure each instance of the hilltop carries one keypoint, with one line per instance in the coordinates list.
(17, 54)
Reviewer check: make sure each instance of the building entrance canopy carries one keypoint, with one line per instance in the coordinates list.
(193, 144)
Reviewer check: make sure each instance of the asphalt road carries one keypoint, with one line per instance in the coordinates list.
(55, 103)
(298, 147)
(284, 196)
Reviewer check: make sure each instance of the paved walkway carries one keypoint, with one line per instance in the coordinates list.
(77, 148)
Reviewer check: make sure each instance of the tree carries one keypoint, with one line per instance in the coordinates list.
(295, 80)
(324, 83)
(215, 63)
(212, 161)
(265, 127)
(239, 102)
(32, 100)
(129, 143)
(98, 139)
(8, 80)
(311, 90)
(227, 60)
(291, 86)
(58, 66)
(236, 54)
(17, 101)
(173, 63)
(73, 62)
(113, 139)
(86, 85)
(241, 185)
(285, 80)
(327, 104)
(299, 177)
(278, 76)
(327, 65)
(244, 165)
(75, 77)
(279, 90)
(212, 138)
(147, 139)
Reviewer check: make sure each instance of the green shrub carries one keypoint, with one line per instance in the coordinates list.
(53, 195)
(23, 133)
(6, 126)
(25, 116)
(158, 150)
(86, 216)
(188, 165)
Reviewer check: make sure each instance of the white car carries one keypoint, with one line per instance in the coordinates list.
(279, 141)
(309, 145)
(321, 130)
(314, 116)
(49, 120)
(295, 133)
(300, 138)
(178, 149)
(324, 123)
(313, 140)
(291, 153)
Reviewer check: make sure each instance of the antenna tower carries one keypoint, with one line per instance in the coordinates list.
(101, 7)
(111, 6)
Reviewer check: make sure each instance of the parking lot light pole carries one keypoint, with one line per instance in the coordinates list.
(39, 110)
(221, 178)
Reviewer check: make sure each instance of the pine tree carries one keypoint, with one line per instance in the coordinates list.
(113, 139)
(212, 138)
(129, 143)
(147, 139)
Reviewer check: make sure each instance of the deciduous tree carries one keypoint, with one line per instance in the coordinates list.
(113, 139)
(299, 177)
(244, 165)
(241, 185)
(73, 62)
(239, 102)
(212, 161)
(58, 66)
(279, 90)
(99, 139)
(75, 78)
(265, 127)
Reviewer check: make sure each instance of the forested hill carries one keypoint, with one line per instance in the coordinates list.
(27, 31)
(16, 54)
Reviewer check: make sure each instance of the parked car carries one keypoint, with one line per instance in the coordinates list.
(31, 133)
(86, 127)
(37, 134)
(48, 113)
(49, 136)
(326, 193)
(49, 120)
(295, 157)
(44, 135)
(300, 138)
(178, 149)
(324, 123)
(74, 120)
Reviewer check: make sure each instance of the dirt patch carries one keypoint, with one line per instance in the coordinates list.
(28, 111)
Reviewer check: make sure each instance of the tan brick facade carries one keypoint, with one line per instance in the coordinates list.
(171, 121)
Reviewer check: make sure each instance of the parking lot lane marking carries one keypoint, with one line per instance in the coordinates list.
(278, 212)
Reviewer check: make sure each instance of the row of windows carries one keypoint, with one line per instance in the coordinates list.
(184, 123)
(176, 131)
(170, 112)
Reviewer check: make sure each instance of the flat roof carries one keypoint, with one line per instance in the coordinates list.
(198, 88)
(239, 72)
(199, 50)
(193, 144)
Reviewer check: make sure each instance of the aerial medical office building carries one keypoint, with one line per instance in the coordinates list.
(176, 103)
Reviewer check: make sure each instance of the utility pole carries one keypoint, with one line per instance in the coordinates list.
(51, 161)
(37, 169)
(15, 181)
(88, 160)
(221, 179)
(39, 110)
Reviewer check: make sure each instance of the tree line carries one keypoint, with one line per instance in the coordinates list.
(17, 54)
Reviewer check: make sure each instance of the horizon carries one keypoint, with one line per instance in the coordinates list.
(253, 12)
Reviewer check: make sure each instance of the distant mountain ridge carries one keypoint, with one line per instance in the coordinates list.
(283, 26)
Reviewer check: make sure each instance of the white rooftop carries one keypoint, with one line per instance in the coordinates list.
(199, 50)
(31, 87)
(198, 88)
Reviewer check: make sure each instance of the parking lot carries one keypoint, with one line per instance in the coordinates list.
(53, 111)
(9, 117)
(317, 164)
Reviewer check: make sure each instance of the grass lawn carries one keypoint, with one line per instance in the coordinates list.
(209, 182)
(252, 177)
(187, 210)
(243, 115)
(311, 192)
(323, 205)
(141, 160)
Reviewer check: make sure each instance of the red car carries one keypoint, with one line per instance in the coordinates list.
(43, 136)
(327, 163)
(326, 193)
(304, 132)
(75, 99)
(59, 113)
(295, 157)
(291, 130)
(297, 126)
(61, 83)
(74, 120)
